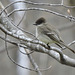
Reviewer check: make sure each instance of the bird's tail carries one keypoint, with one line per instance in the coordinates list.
(69, 48)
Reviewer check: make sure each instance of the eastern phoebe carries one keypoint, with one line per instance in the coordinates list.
(47, 32)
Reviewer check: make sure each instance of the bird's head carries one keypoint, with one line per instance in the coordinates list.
(40, 21)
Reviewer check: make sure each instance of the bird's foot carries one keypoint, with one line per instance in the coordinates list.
(48, 45)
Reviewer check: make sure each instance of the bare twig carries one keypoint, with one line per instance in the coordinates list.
(41, 49)
(21, 38)
(32, 61)
(21, 19)
(34, 64)
(71, 18)
(23, 52)
(73, 42)
(7, 22)
(12, 59)
(34, 3)
(35, 45)
(68, 61)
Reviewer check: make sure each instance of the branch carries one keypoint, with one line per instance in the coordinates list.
(5, 22)
(34, 65)
(12, 59)
(38, 48)
(41, 4)
(32, 44)
(71, 18)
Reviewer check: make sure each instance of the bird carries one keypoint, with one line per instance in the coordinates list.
(48, 33)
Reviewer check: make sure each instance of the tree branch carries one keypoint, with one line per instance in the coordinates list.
(71, 18)
(34, 3)
(8, 28)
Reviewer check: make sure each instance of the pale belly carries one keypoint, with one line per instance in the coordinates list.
(45, 39)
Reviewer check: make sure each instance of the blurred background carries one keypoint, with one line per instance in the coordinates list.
(42, 60)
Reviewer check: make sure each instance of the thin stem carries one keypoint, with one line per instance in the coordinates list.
(12, 59)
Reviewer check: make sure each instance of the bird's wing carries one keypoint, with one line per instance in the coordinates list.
(53, 36)
(53, 33)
